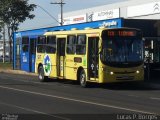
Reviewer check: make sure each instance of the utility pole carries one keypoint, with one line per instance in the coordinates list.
(61, 3)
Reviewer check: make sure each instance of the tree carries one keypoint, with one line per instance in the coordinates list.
(13, 12)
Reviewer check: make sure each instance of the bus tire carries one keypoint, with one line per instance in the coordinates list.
(41, 76)
(82, 79)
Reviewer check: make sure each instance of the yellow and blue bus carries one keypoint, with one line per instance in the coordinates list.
(25, 42)
(91, 55)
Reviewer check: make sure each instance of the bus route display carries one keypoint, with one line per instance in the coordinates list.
(121, 33)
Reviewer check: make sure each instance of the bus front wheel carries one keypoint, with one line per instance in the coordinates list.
(82, 79)
(41, 76)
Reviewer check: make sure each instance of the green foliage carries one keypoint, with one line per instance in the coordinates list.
(13, 12)
(5, 66)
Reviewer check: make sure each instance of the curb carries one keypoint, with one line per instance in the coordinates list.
(17, 72)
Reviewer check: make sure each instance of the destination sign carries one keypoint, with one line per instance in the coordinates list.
(121, 33)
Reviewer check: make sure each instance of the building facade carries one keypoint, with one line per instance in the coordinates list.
(131, 9)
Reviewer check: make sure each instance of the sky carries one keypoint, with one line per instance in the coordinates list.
(42, 19)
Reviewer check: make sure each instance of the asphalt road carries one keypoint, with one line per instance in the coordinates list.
(23, 97)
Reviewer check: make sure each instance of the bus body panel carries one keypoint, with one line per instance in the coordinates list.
(25, 61)
(53, 65)
(120, 75)
(73, 63)
(71, 67)
(40, 61)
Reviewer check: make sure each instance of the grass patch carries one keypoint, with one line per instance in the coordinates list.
(5, 65)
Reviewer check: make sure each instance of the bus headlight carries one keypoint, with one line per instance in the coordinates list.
(137, 72)
(111, 73)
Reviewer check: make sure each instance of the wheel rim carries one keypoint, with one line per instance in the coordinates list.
(40, 74)
(83, 79)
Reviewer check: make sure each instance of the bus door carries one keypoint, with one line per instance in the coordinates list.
(25, 54)
(17, 52)
(61, 56)
(93, 57)
(32, 54)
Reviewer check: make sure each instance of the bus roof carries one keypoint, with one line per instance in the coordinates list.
(86, 31)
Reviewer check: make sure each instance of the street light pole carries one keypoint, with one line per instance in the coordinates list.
(61, 3)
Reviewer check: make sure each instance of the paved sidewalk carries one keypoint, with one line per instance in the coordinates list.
(17, 72)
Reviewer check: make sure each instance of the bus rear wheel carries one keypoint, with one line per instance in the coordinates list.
(82, 79)
(41, 75)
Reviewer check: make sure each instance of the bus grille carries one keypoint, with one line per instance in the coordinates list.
(125, 78)
(124, 72)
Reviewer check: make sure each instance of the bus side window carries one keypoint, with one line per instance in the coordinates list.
(41, 40)
(40, 49)
(25, 48)
(41, 44)
(51, 44)
(81, 45)
(25, 42)
(71, 44)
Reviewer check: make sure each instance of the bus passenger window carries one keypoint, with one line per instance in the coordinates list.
(41, 40)
(40, 49)
(51, 40)
(50, 49)
(25, 40)
(81, 45)
(51, 44)
(25, 48)
(71, 44)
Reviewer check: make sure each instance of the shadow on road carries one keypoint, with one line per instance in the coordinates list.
(144, 86)
(130, 86)
(111, 86)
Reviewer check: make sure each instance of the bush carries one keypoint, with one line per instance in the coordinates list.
(5, 65)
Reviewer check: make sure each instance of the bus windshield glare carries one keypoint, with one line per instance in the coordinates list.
(122, 48)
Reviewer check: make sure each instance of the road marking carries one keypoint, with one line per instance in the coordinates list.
(76, 100)
(31, 110)
(155, 98)
(133, 96)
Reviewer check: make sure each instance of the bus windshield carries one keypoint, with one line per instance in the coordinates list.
(122, 48)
